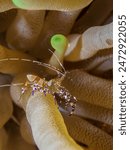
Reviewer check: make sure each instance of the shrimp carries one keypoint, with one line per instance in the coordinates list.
(53, 86)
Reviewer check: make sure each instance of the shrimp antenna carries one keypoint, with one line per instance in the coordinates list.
(58, 60)
(36, 62)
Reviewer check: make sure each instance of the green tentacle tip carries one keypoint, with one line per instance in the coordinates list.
(59, 42)
(19, 3)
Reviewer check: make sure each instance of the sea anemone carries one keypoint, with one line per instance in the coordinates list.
(56, 75)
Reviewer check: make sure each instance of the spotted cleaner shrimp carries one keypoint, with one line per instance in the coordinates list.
(52, 86)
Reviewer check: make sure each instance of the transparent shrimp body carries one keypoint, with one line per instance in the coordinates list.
(53, 86)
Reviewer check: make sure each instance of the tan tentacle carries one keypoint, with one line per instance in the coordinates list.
(44, 118)
(64, 5)
(86, 87)
(6, 106)
(87, 110)
(90, 42)
(84, 132)
(26, 27)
